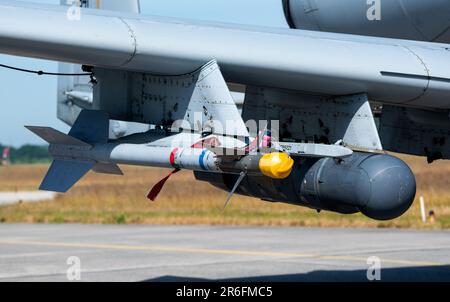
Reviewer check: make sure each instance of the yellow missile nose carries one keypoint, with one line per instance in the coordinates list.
(276, 165)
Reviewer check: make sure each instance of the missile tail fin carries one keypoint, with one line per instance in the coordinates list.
(107, 168)
(64, 174)
(91, 127)
(55, 137)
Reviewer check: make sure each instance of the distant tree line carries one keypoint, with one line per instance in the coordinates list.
(27, 154)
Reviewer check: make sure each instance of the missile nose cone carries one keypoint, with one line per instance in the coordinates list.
(392, 187)
(276, 165)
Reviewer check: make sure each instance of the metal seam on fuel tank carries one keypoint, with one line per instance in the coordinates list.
(427, 70)
(133, 36)
(317, 178)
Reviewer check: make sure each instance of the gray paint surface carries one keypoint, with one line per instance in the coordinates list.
(404, 19)
(181, 253)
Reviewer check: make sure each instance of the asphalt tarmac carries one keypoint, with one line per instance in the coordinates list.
(209, 253)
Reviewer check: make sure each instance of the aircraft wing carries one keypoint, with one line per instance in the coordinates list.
(317, 85)
(391, 71)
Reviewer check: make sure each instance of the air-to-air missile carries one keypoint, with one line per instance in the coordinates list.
(91, 149)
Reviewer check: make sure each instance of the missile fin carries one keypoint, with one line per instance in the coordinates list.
(91, 126)
(53, 136)
(105, 168)
(64, 174)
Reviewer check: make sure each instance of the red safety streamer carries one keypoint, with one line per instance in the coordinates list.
(158, 187)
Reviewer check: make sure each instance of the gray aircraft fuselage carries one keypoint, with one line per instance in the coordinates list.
(421, 20)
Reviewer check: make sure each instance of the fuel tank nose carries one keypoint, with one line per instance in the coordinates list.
(392, 187)
(380, 186)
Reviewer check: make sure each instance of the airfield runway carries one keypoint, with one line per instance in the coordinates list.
(204, 253)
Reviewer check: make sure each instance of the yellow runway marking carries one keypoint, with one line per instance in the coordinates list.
(213, 251)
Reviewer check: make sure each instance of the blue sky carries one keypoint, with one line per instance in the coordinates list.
(31, 100)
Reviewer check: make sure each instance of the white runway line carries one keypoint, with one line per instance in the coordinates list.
(8, 198)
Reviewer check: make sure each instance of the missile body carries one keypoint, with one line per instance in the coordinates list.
(140, 155)
(87, 146)
(275, 165)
